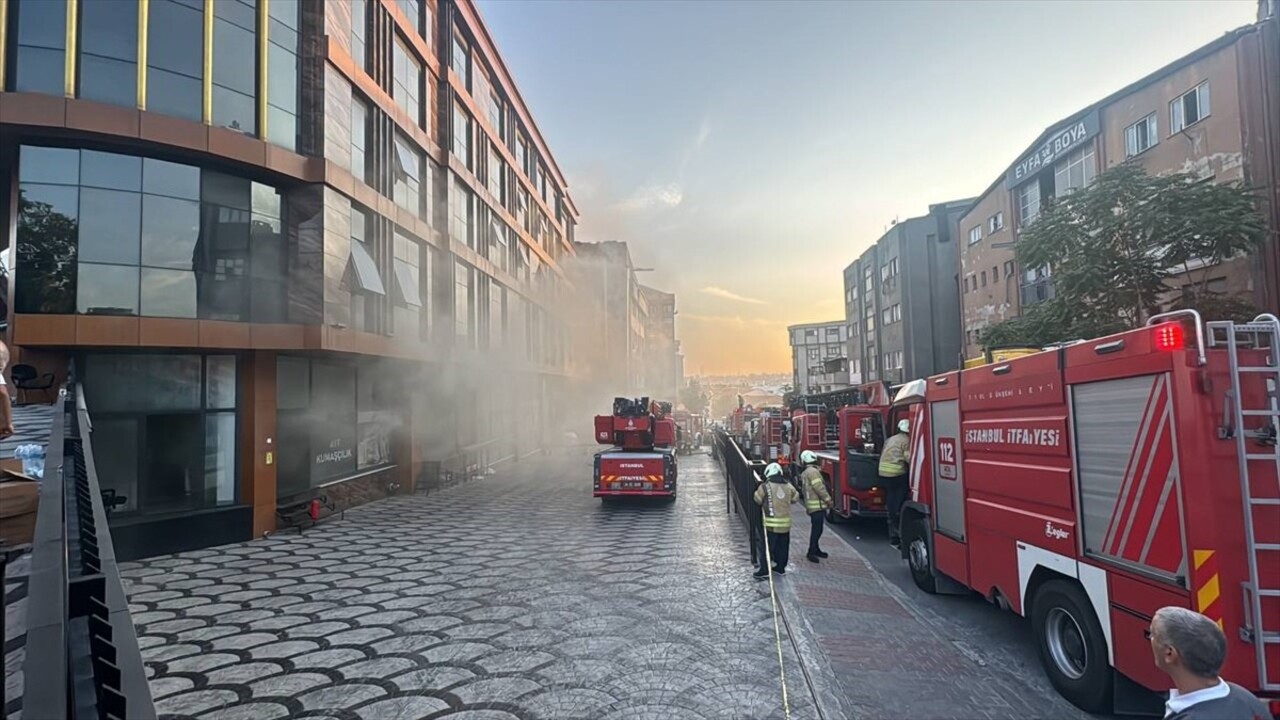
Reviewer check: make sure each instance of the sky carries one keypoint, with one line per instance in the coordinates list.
(748, 151)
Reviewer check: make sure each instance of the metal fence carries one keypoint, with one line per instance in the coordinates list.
(82, 657)
(741, 478)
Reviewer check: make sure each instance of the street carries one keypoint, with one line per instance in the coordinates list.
(520, 596)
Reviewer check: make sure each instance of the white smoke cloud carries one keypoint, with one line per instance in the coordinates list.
(654, 196)
(720, 292)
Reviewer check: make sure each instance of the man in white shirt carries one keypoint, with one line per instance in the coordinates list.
(1191, 649)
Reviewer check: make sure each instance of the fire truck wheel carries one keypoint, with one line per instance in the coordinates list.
(1071, 645)
(917, 541)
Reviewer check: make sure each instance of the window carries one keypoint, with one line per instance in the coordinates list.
(495, 176)
(413, 11)
(407, 301)
(1028, 202)
(871, 324)
(459, 60)
(462, 135)
(359, 139)
(460, 209)
(108, 54)
(814, 354)
(234, 69)
(498, 252)
(282, 74)
(1189, 109)
(1008, 268)
(995, 275)
(995, 223)
(1075, 172)
(831, 351)
(984, 278)
(41, 56)
(496, 110)
(462, 313)
(497, 315)
(1141, 136)
(975, 234)
(833, 334)
(407, 81)
(407, 191)
(165, 428)
(175, 58)
(359, 33)
(110, 234)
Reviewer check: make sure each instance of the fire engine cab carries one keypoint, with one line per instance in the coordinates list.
(1089, 485)
(846, 430)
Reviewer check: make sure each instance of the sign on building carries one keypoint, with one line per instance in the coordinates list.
(1062, 140)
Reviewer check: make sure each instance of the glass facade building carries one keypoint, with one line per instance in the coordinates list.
(240, 221)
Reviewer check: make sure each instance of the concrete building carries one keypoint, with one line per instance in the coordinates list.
(1212, 113)
(818, 356)
(664, 365)
(901, 307)
(293, 248)
(610, 319)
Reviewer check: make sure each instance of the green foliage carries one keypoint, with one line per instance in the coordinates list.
(1114, 246)
(695, 399)
(47, 253)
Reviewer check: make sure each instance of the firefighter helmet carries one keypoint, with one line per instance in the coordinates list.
(808, 457)
(773, 470)
(904, 425)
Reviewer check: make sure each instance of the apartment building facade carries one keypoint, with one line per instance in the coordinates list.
(901, 311)
(293, 248)
(1206, 114)
(819, 360)
(664, 365)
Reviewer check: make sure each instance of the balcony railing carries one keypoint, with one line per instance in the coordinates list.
(1037, 291)
(82, 656)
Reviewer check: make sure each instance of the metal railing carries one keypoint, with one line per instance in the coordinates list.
(82, 656)
(741, 478)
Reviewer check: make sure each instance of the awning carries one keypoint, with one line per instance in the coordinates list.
(366, 270)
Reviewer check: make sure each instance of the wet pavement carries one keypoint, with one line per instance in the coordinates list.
(520, 596)
(513, 596)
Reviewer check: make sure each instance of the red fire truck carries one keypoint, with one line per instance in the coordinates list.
(846, 429)
(1089, 485)
(771, 436)
(643, 459)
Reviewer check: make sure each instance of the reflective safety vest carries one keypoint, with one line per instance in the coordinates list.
(775, 500)
(894, 457)
(816, 497)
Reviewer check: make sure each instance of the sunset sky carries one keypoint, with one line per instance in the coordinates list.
(749, 151)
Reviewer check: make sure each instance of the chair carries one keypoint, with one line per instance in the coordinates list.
(26, 377)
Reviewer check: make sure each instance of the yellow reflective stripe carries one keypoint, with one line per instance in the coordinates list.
(812, 504)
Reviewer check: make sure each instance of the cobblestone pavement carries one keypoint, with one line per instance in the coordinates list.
(514, 596)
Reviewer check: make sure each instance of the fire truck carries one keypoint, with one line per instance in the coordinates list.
(771, 436)
(642, 461)
(739, 423)
(1087, 486)
(846, 430)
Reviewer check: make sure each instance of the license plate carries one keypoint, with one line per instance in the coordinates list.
(634, 485)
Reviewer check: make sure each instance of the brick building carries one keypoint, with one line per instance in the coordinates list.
(292, 247)
(900, 300)
(1212, 113)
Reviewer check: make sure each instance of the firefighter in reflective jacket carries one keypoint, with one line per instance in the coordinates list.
(894, 460)
(775, 496)
(817, 500)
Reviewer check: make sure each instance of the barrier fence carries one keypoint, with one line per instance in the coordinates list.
(741, 478)
(82, 656)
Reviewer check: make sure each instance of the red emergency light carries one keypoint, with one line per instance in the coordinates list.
(1169, 336)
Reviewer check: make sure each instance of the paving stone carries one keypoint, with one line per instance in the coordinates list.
(242, 673)
(166, 686)
(249, 711)
(283, 649)
(193, 703)
(201, 663)
(409, 707)
(288, 685)
(378, 667)
(340, 697)
(327, 658)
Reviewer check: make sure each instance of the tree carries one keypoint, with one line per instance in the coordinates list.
(1113, 247)
(695, 399)
(47, 254)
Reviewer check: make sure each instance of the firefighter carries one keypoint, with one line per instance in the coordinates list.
(817, 500)
(775, 496)
(894, 459)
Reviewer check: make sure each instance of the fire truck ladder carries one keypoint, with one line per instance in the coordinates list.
(1262, 333)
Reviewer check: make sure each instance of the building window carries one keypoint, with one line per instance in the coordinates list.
(495, 175)
(164, 429)
(42, 38)
(282, 74)
(359, 139)
(984, 278)
(234, 69)
(1008, 268)
(833, 334)
(459, 59)
(407, 302)
(364, 281)
(871, 324)
(407, 188)
(412, 10)
(1141, 136)
(497, 315)
(1075, 172)
(995, 275)
(462, 134)
(891, 314)
(175, 58)
(334, 419)
(831, 351)
(498, 251)
(1189, 109)
(360, 31)
(407, 74)
(975, 234)
(889, 271)
(460, 209)
(109, 234)
(814, 354)
(462, 312)
(108, 53)
(995, 223)
(1028, 202)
